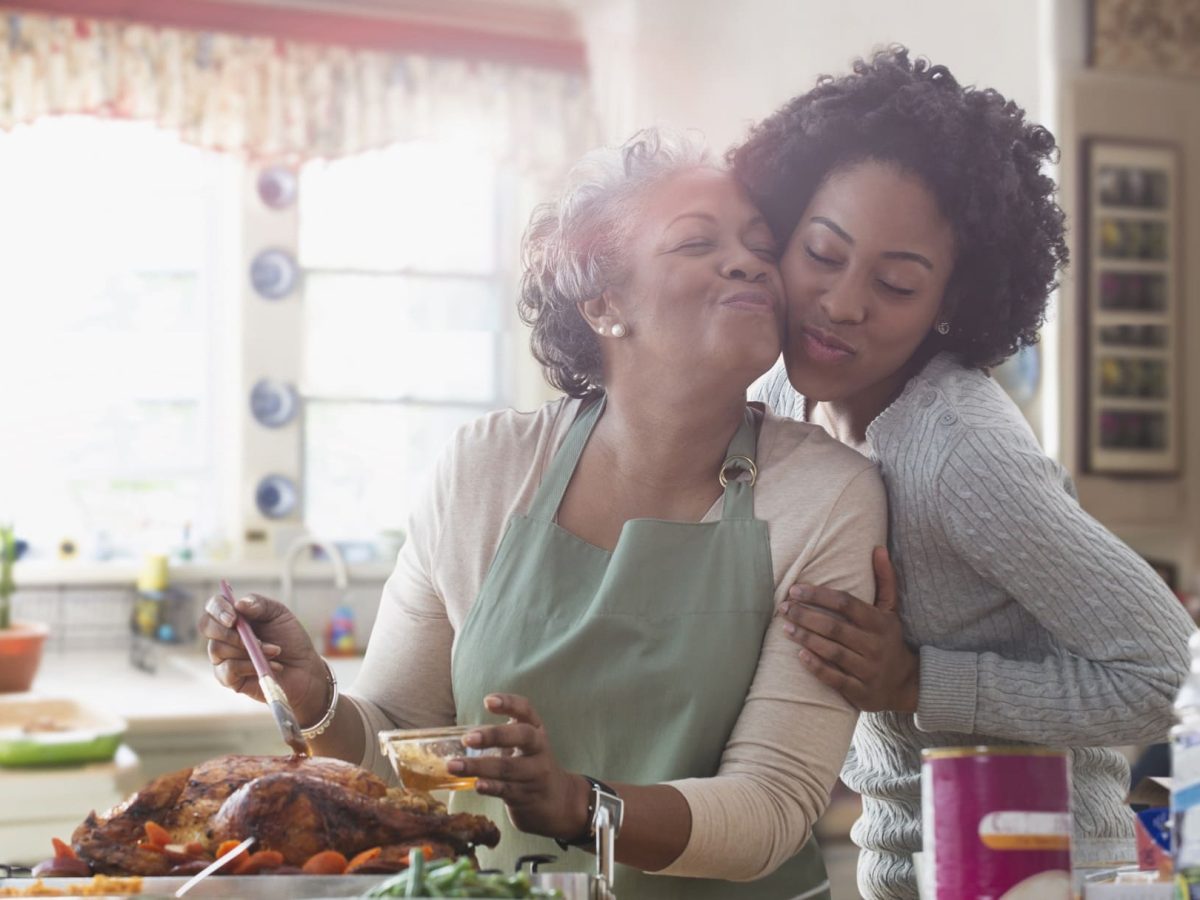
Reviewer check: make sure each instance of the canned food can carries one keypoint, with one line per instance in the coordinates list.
(996, 823)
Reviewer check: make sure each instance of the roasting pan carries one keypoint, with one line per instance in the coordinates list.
(574, 885)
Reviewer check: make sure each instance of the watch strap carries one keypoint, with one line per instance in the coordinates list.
(587, 838)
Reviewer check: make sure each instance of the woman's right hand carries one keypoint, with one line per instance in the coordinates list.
(294, 660)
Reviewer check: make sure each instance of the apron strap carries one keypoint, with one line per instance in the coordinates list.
(739, 491)
(739, 462)
(558, 474)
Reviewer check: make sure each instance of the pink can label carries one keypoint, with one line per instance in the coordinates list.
(997, 824)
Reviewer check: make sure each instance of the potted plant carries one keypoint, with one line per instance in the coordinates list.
(20, 642)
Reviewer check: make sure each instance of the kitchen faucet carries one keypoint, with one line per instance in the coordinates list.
(340, 578)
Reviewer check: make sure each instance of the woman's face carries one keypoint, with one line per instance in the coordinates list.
(701, 294)
(865, 274)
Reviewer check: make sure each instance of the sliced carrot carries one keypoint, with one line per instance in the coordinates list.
(157, 835)
(327, 862)
(63, 850)
(362, 859)
(226, 846)
(256, 862)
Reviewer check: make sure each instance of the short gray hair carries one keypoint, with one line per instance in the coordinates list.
(574, 248)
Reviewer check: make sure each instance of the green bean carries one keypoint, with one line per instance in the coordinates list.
(416, 872)
(457, 878)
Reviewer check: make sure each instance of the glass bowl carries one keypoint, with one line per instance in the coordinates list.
(419, 756)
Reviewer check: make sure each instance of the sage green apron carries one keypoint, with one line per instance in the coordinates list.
(638, 660)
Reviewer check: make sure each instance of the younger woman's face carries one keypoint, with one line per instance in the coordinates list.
(865, 276)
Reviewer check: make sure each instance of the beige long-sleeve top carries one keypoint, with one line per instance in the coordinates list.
(825, 509)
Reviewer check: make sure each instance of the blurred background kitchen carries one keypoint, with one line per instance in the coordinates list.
(258, 258)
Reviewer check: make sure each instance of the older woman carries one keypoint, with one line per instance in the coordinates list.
(604, 571)
(922, 242)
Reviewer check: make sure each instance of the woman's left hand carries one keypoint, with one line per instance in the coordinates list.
(855, 648)
(542, 797)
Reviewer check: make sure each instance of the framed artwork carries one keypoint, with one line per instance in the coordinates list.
(1153, 37)
(1131, 299)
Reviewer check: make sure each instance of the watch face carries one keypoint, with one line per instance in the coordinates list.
(274, 274)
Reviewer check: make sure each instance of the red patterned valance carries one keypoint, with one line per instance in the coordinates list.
(281, 99)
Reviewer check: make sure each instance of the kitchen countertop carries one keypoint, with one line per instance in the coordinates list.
(182, 695)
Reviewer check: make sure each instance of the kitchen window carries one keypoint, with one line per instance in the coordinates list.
(120, 367)
(149, 393)
(404, 317)
(110, 315)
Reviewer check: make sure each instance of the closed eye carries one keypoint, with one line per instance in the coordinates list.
(903, 292)
(695, 245)
(823, 260)
(770, 254)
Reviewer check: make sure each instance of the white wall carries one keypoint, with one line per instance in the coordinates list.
(718, 66)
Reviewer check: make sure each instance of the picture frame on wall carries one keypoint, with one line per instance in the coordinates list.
(1131, 305)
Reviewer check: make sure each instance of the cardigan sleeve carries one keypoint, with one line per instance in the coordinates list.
(1011, 513)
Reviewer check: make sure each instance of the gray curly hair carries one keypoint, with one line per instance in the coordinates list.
(574, 248)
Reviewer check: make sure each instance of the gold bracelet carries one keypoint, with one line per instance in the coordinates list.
(326, 720)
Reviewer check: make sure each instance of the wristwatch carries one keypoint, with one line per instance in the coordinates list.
(600, 795)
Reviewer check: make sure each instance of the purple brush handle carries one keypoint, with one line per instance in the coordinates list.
(249, 639)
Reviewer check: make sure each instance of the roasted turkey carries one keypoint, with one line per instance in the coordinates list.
(295, 805)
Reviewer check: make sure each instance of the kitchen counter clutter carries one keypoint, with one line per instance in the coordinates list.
(182, 696)
(40, 731)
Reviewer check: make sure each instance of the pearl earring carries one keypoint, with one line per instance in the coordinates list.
(943, 328)
(602, 330)
(619, 330)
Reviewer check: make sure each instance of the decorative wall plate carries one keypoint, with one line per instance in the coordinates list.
(274, 274)
(277, 187)
(276, 496)
(273, 403)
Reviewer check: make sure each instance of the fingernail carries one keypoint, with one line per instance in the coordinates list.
(245, 603)
(473, 739)
(799, 591)
(789, 628)
(272, 649)
(227, 618)
(784, 607)
(493, 702)
(456, 767)
(278, 667)
(483, 787)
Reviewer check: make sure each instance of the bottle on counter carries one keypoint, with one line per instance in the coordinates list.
(152, 582)
(339, 633)
(1185, 781)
